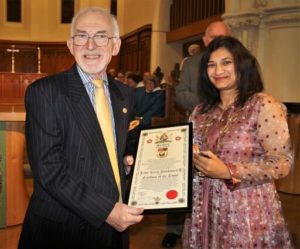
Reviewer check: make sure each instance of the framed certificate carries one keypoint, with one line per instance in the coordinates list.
(162, 174)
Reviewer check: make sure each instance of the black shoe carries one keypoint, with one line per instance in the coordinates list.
(170, 240)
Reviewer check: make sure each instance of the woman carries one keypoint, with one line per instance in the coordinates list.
(244, 145)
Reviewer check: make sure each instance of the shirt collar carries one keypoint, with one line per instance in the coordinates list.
(86, 78)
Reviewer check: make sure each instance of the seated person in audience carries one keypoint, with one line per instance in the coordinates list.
(193, 49)
(132, 80)
(121, 77)
(112, 73)
(146, 76)
(150, 102)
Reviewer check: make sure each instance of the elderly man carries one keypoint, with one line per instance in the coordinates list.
(76, 129)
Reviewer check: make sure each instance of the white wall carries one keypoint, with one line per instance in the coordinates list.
(41, 20)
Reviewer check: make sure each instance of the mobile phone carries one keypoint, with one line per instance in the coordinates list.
(204, 155)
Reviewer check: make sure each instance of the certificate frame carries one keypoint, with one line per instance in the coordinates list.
(161, 181)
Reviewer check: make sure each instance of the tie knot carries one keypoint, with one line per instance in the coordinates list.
(98, 83)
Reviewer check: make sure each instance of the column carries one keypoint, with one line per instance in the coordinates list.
(281, 21)
(163, 54)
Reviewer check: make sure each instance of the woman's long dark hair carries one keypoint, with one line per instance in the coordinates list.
(248, 76)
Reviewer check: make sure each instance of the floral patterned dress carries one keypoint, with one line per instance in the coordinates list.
(244, 212)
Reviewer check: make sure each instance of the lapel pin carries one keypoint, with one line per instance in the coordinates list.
(124, 110)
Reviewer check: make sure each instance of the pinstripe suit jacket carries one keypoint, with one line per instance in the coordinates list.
(73, 177)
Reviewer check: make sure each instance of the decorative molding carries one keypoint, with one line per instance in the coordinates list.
(283, 7)
(282, 19)
(277, 15)
(282, 15)
(242, 21)
(261, 3)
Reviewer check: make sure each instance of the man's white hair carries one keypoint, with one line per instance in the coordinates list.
(101, 11)
(193, 49)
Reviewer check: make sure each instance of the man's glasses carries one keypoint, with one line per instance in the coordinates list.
(99, 39)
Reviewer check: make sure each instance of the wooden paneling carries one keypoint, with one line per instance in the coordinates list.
(5, 61)
(129, 54)
(55, 57)
(25, 60)
(135, 51)
(13, 85)
(114, 63)
(144, 51)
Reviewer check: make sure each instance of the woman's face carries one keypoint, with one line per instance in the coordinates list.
(221, 70)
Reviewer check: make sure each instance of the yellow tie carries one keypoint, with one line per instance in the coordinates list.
(104, 118)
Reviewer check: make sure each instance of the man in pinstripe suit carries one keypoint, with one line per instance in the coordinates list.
(75, 202)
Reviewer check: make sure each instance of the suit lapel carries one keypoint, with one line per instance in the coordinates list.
(120, 113)
(120, 110)
(85, 116)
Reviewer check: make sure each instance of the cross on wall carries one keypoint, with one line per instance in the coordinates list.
(12, 50)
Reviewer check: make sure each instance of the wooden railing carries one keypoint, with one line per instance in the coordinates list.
(185, 12)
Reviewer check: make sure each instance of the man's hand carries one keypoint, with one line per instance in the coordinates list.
(122, 216)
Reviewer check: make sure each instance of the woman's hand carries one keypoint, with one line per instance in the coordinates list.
(210, 165)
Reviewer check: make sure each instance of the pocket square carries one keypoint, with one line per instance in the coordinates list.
(133, 124)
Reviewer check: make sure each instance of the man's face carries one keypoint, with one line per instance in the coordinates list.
(149, 86)
(146, 76)
(91, 58)
(214, 30)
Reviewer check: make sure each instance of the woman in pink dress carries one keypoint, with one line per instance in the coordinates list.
(244, 145)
